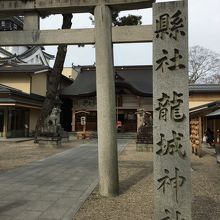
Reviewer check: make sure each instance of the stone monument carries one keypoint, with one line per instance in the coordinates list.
(172, 169)
(52, 133)
(52, 123)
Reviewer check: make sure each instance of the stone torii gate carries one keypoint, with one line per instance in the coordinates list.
(103, 35)
(170, 85)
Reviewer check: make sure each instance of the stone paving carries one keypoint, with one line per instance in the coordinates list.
(52, 188)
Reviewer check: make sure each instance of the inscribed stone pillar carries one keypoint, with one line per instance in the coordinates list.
(171, 115)
(105, 87)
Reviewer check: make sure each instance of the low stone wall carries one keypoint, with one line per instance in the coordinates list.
(49, 142)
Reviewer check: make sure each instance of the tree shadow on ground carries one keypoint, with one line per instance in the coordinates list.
(205, 208)
(138, 170)
(196, 166)
(12, 206)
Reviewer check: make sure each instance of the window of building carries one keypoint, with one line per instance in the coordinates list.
(18, 121)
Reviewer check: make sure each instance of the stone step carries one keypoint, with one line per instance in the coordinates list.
(129, 135)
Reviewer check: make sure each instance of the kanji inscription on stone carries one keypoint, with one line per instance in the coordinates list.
(171, 26)
(172, 170)
(168, 215)
(171, 146)
(170, 108)
(172, 63)
(173, 182)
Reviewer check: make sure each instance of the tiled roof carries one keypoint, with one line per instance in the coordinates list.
(28, 52)
(137, 80)
(49, 56)
(205, 108)
(25, 68)
(13, 60)
(4, 88)
(11, 95)
(5, 52)
(204, 88)
(32, 50)
(15, 19)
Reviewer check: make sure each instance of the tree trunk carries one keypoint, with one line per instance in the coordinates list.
(54, 79)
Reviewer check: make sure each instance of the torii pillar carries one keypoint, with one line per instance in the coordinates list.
(105, 87)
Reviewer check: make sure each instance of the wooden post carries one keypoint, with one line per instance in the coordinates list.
(200, 137)
(214, 130)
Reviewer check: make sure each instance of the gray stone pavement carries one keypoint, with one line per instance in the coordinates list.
(52, 188)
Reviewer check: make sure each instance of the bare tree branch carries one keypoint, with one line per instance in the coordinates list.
(203, 63)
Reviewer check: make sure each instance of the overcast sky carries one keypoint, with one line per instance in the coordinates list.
(204, 30)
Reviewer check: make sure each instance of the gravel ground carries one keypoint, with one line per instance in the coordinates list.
(135, 201)
(13, 155)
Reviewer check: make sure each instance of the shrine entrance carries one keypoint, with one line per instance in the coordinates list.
(171, 123)
(103, 36)
(128, 118)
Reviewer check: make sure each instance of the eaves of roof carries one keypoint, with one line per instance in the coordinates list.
(11, 60)
(67, 80)
(49, 56)
(136, 79)
(6, 89)
(215, 113)
(25, 68)
(16, 19)
(208, 88)
(33, 50)
(20, 102)
(132, 89)
(29, 52)
(5, 52)
(15, 96)
(204, 109)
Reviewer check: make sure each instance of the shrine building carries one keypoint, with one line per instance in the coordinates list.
(204, 113)
(24, 74)
(133, 86)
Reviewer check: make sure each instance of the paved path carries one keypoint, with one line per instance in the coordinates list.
(53, 188)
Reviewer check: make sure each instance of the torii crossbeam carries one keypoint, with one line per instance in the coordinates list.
(47, 7)
(32, 9)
